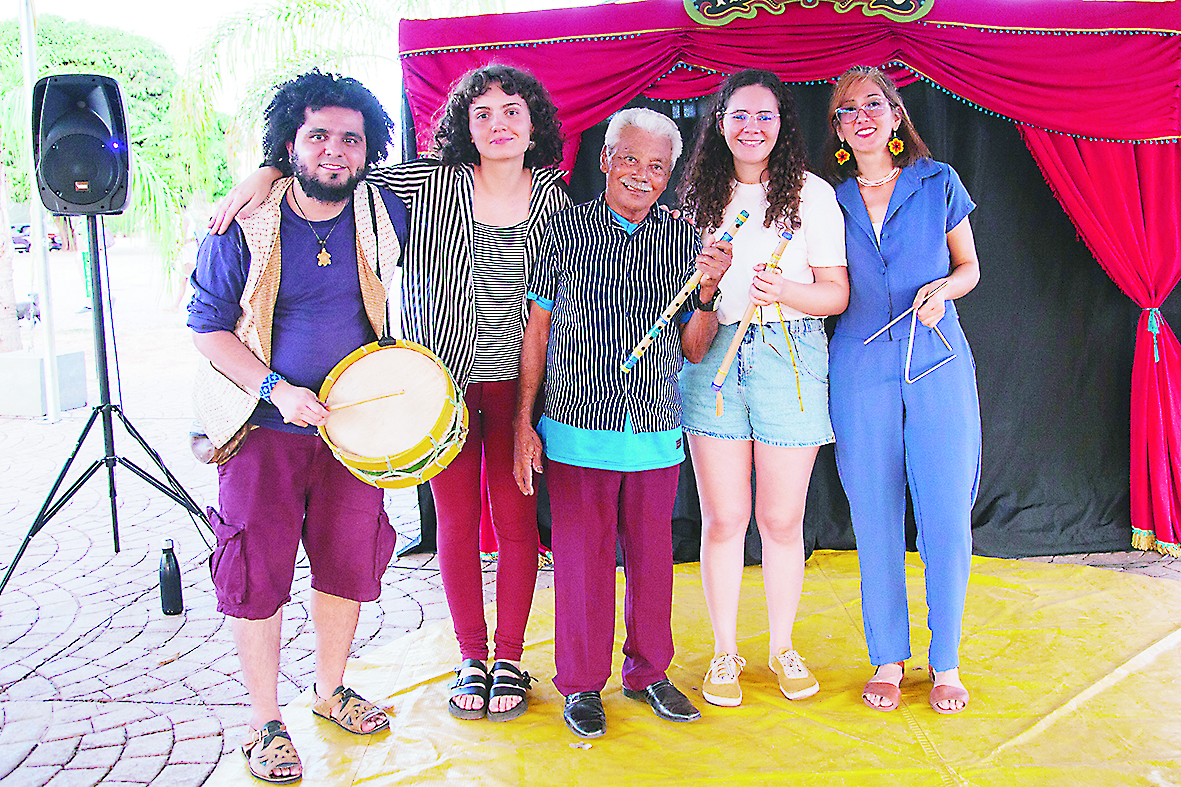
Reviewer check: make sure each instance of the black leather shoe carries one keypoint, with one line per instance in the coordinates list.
(667, 700)
(584, 714)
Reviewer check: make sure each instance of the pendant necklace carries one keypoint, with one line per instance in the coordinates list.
(874, 183)
(323, 258)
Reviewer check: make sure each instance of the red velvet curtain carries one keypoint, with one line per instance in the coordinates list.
(1124, 200)
(1089, 71)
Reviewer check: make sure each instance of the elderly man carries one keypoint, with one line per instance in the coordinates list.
(278, 301)
(613, 440)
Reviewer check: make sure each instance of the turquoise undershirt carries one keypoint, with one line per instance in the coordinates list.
(604, 449)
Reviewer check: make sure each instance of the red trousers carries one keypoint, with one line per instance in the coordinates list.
(457, 494)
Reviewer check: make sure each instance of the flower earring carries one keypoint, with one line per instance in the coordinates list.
(895, 145)
(843, 155)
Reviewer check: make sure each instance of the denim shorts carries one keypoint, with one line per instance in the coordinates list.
(762, 394)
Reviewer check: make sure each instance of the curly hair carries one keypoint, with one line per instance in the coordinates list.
(314, 91)
(708, 181)
(453, 136)
(913, 146)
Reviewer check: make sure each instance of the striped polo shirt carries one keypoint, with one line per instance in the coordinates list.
(607, 288)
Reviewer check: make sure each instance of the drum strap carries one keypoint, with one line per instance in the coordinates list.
(386, 337)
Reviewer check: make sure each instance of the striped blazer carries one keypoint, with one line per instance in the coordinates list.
(438, 296)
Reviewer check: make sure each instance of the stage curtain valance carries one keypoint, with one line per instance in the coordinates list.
(1106, 85)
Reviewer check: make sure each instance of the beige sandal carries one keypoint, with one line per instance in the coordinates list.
(890, 692)
(270, 749)
(349, 710)
(941, 692)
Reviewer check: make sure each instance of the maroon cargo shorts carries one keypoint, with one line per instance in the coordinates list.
(278, 490)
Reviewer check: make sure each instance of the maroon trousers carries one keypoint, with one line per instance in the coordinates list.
(458, 500)
(591, 509)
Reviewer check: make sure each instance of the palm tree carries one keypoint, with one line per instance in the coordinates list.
(269, 42)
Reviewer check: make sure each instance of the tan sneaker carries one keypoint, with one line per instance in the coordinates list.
(721, 681)
(795, 680)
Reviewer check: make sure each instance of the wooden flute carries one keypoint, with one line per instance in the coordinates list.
(670, 311)
(736, 342)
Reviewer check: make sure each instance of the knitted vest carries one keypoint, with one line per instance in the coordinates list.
(221, 405)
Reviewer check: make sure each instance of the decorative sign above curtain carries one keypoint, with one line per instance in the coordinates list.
(720, 12)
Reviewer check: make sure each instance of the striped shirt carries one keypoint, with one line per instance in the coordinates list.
(607, 288)
(438, 291)
(498, 275)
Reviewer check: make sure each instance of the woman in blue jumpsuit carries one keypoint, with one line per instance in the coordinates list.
(909, 244)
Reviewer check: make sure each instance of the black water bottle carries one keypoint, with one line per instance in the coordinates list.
(170, 600)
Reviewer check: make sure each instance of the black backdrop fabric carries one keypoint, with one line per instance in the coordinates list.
(1051, 334)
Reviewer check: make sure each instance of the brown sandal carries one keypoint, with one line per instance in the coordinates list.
(887, 691)
(943, 693)
(269, 749)
(349, 711)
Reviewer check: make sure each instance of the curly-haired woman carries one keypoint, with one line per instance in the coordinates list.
(477, 215)
(773, 414)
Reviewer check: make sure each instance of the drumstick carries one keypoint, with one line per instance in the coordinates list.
(736, 342)
(671, 310)
(894, 321)
(335, 407)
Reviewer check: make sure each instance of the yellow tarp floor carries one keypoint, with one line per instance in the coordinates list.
(1075, 676)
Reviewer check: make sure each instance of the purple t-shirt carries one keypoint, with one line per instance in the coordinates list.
(319, 312)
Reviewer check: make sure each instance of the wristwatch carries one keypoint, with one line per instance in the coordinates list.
(707, 306)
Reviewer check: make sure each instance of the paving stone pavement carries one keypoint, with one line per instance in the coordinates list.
(97, 686)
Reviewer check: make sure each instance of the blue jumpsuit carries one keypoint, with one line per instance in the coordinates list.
(890, 433)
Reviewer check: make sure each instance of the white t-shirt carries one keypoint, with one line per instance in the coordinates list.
(818, 243)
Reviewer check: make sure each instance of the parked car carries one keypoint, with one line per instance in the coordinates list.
(20, 238)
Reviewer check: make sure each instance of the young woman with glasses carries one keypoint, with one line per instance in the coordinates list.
(772, 411)
(904, 401)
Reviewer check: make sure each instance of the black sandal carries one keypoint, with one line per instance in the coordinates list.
(515, 684)
(477, 685)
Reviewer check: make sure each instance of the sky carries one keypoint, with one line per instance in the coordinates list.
(179, 26)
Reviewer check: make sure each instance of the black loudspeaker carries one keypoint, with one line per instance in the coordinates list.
(80, 144)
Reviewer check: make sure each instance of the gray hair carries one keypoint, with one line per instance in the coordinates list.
(646, 120)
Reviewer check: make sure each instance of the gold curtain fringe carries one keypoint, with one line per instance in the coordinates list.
(1146, 540)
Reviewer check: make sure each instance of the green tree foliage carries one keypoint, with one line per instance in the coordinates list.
(270, 41)
(164, 175)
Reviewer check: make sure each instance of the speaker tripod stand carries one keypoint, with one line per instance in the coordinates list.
(107, 412)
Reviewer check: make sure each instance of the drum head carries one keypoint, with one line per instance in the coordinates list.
(385, 402)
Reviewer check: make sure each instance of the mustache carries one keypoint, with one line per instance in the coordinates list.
(638, 185)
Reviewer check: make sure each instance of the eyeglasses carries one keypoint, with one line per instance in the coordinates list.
(760, 118)
(873, 108)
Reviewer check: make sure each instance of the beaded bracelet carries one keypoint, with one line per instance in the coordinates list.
(268, 385)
